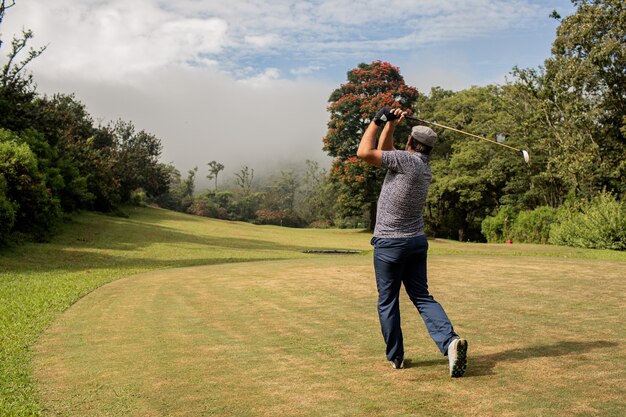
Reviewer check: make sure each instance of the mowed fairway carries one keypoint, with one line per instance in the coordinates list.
(300, 337)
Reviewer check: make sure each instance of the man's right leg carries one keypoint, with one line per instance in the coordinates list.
(387, 255)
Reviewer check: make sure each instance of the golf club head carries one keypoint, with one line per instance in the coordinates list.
(526, 156)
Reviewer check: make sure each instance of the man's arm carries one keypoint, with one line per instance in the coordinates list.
(367, 148)
(368, 151)
(385, 142)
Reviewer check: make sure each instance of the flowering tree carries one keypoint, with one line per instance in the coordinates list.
(352, 107)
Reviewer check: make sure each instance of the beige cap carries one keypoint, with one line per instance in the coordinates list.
(424, 135)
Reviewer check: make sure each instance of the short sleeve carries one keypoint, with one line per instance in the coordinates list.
(398, 161)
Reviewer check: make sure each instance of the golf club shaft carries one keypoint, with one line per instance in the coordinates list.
(415, 119)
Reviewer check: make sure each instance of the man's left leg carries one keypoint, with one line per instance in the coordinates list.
(415, 282)
(435, 318)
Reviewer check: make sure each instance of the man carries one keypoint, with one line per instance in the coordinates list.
(400, 245)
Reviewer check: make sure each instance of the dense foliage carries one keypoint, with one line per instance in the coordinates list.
(291, 198)
(599, 223)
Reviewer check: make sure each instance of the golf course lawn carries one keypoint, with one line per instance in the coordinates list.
(205, 317)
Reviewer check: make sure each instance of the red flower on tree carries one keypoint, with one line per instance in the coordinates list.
(352, 105)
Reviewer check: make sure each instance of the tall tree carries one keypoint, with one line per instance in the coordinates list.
(244, 179)
(469, 176)
(351, 108)
(138, 165)
(214, 169)
(318, 196)
(189, 184)
(585, 95)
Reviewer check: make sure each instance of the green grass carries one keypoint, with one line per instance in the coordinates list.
(296, 334)
(38, 281)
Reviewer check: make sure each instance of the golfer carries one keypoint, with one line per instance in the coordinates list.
(400, 245)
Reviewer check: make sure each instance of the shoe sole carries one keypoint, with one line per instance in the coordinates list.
(460, 364)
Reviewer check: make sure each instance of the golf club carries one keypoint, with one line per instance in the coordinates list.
(524, 153)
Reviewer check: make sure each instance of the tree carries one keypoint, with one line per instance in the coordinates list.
(469, 176)
(26, 199)
(585, 95)
(546, 180)
(351, 108)
(138, 165)
(11, 71)
(61, 142)
(189, 185)
(279, 201)
(17, 90)
(244, 179)
(214, 169)
(4, 5)
(318, 196)
(11, 74)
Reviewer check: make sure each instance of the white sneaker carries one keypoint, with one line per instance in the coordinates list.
(397, 363)
(457, 355)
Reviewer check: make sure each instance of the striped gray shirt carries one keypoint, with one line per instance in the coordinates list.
(402, 198)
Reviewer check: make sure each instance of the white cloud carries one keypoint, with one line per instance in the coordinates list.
(114, 39)
(108, 39)
(262, 79)
(262, 41)
(302, 71)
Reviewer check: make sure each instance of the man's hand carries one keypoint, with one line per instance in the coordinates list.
(368, 151)
(388, 114)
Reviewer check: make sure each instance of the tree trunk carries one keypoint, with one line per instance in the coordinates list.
(372, 216)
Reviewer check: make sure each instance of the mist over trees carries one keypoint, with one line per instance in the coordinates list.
(296, 197)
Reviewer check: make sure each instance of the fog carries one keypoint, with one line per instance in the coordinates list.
(202, 116)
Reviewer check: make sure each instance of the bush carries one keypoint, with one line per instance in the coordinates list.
(7, 213)
(37, 211)
(321, 224)
(498, 228)
(278, 218)
(202, 206)
(534, 226)
(597, 224)
(138, 198)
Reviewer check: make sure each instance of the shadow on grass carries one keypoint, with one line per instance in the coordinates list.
(134, 235)
(67, 260)
(484, 365)
(74, 252)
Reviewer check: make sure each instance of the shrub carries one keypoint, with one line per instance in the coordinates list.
(202, 206)
(534, 226)
(138, 198)
(321, 224)
(498, 228)
(7, 213)
(599, 224)
(279, 218)
(37, 211)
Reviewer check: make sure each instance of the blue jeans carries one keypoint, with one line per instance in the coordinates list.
(398, 261)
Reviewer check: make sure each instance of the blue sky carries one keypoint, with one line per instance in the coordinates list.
(247, 81)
